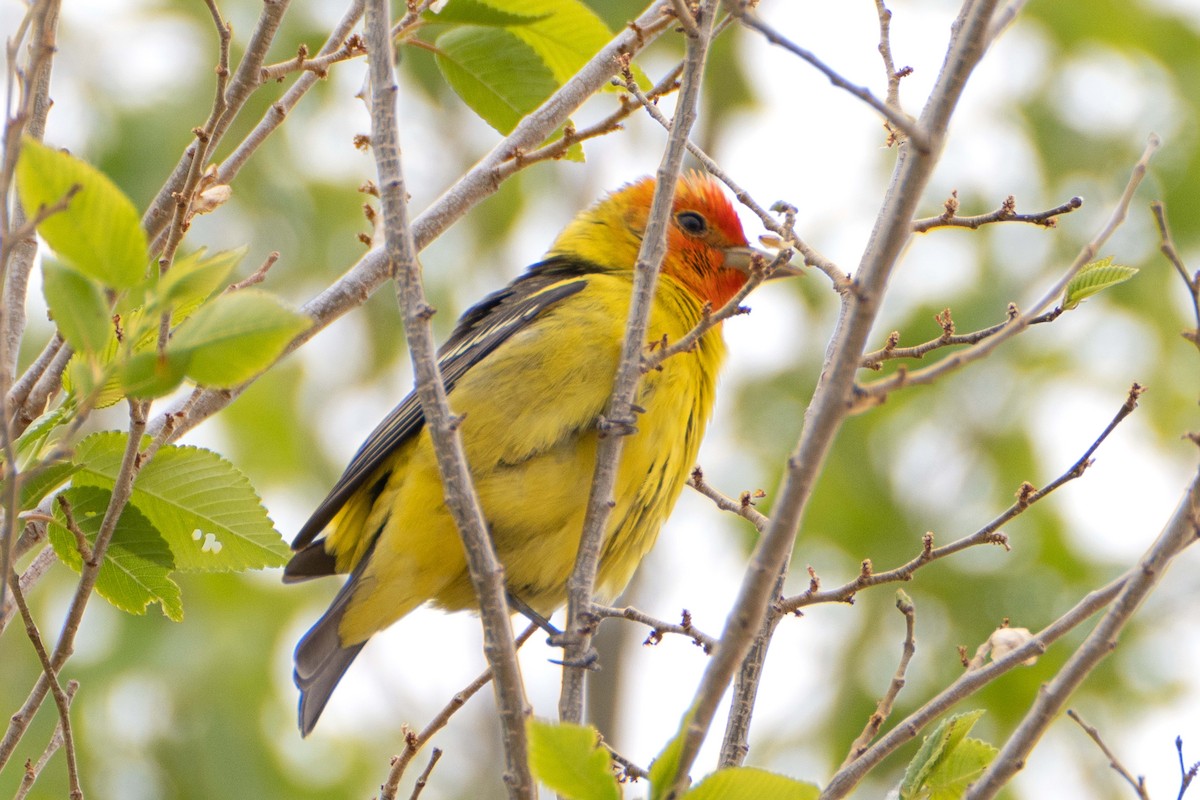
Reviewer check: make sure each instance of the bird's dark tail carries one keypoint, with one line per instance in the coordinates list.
(321, 658)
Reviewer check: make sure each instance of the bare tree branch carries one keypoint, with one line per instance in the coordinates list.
(829, 406)
(990, 533)
(657, 626)
(743, 506)
(33, 573)
(121, 492)
(1022, 320)
(423, 778)
(1191, 280)
(1138, 783)
(1139, 581)
(353, 47)
(61, 698)
(896, 118)
(894, 76)
(34, 770)
(619, 417)
(967, 684)
(1007, 212)
(226, 108)
(891, 351)
(487, 574)
(413, 742)
(884, 708)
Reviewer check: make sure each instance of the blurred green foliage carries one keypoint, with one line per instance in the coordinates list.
(204, 709)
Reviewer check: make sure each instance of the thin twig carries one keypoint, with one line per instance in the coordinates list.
(657, 626)
(1022, 320)
(1191, 280)
(33, 573)
(629, 770)
(278, 111)
(709, 319)
(34, 770)
(61, 699)
(884, 709)
(1007, 212)
(1138, 783)
(47, 386)
(1027, 495)
(1004, 17)
(121, 492)
(20, 390)
(890, 351)
(40, 23)
(896, 118)
(570, 137)
(1186, 774)
(893, 75)
(415, 741)
(423, 778)
(353, 47)
(81, 543)
(743, 506)
(735, 743)
(238, 88)
(258, 276)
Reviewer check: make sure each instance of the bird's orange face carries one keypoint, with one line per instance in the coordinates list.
(704, 229)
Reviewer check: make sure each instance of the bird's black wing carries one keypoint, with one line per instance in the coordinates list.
(480, 330)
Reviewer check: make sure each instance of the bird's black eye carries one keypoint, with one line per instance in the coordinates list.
(692, 223)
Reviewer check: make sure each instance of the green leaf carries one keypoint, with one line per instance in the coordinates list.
(42, 482)
(236, 336)
(84, 375)
(937, 746)
(193, 278)
(77, 306)
(569, 759)
(480, 12)
(565, 36)
(99, 233)
(958, 769)
(200, 503)
(666, 764)
(1094, 278)
(748, 783)
(137, 564)
(40, 432)
(151, 374)
(495, 73)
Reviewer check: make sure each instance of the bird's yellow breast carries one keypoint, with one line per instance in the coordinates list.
(530, 410)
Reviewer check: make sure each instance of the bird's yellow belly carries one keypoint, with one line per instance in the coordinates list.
(533, 476)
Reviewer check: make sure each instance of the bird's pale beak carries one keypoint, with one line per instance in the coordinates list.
(742, 259)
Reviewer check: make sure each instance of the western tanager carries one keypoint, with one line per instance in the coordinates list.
(530, 370)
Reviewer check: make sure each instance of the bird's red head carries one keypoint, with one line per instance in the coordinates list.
(704, 238)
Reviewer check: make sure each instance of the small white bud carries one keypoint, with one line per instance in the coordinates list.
(212, 198)
(1005, 640)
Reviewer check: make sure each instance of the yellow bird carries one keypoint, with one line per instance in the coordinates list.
(530, 370)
